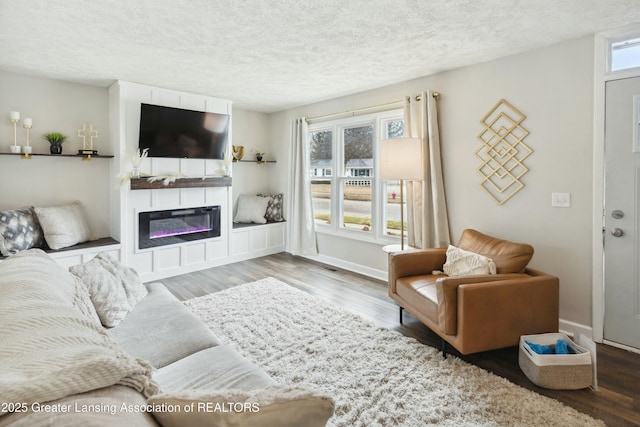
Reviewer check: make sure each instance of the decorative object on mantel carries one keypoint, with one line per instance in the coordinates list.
(27, 124)
(55, 141)
(502, 151)
(15, 118)
(167, 179)
(87, 147)
(136, 160)
(238, 152)
(228, 159)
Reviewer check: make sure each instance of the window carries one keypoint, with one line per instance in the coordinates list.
(348, 197)
(625, 54)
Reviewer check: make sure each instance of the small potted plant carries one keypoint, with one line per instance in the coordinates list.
(55, 140)
(259, 154)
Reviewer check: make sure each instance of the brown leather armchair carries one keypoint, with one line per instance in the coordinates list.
(476, 312)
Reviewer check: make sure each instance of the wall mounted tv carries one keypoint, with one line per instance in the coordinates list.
(179, 133)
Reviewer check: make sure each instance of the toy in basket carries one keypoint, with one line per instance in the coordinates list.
(569, 371)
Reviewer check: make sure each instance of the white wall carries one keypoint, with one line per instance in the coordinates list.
(55, 106)
(553, 87)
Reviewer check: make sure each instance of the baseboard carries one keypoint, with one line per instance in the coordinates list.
(572, 329)
(356, 268)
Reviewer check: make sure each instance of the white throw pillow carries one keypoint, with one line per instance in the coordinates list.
(114, 288)
(251, 209)
(277, 405)
(63, 226)
(462, 263)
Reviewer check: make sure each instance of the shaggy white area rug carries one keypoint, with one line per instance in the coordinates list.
(376, 376)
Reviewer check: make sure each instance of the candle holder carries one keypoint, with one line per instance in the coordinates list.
(15, 118)
(27, 149)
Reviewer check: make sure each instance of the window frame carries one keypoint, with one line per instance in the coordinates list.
(339, 177)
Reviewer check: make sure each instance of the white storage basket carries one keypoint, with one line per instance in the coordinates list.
(555, 371)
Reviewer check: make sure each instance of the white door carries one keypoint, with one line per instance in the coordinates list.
(622, 213)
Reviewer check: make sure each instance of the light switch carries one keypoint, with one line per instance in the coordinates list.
(561, 200)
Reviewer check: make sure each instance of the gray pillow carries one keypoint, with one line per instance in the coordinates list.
(19, 231)
(274, 208)
(63, 226)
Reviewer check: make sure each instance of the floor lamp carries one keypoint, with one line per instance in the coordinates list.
(401, 159)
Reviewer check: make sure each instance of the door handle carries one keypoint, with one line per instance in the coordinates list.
(616, 232)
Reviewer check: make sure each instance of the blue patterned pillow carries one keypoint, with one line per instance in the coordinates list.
(19, 231)
(274, 208)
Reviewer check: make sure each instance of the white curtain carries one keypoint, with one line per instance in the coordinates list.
(303, 233)
(427, 219)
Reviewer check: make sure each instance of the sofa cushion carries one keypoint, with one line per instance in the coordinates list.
(462, 263)
(19, 231)
(215, 368)
(278, 405)
(161, 329)
(509, 257)
(420, 291)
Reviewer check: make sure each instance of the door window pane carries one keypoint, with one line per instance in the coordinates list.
(321, 170)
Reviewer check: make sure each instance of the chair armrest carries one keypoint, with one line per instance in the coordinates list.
(447, 289)
(414, 263)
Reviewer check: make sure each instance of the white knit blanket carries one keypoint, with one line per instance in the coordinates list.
(49, 349)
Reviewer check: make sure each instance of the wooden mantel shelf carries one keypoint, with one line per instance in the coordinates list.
(144, 184)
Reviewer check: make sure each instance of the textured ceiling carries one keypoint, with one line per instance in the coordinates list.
(272, 55)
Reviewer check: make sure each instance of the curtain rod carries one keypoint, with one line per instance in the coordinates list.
(353, 112)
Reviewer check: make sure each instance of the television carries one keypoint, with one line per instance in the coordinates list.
(179, 133)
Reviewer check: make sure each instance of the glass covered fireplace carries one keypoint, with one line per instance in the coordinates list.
(169, 227)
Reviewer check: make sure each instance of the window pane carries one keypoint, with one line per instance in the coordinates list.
(395, 129)
(321, 170)
(356, 213)
(358, 151)
(392, 221)
(625, 54)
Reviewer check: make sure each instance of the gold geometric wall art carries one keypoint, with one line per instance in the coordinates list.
(502, 151)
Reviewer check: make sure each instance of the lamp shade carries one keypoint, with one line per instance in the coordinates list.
(401, 158)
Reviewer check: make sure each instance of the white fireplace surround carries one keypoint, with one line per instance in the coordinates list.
(164, 261)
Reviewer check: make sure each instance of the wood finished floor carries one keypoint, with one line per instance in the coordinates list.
(617, 401)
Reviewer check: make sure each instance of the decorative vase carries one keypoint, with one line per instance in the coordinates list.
(238, 152)
(135, 172)
(55, 149)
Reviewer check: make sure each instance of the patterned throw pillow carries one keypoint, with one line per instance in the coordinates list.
(19, 231)
(462, 263)
(274, 208)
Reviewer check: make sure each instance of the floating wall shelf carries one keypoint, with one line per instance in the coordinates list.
(144, 184)
(254, 161)
(80, 156)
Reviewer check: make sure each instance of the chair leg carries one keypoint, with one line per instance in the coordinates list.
(444, 349)
(401, 314)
